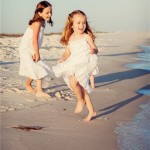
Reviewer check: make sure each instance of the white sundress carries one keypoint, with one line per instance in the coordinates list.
(80, 63)
(29, 68)
(96, 71)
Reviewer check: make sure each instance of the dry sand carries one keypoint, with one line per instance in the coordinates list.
(53, 124)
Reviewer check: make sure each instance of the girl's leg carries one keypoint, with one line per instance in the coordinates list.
(92, 81)
(78, 92)
(89, 106)
(29, 86)
(39, 90)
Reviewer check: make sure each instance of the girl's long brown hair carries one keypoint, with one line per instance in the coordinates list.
(39, 8)
(68, 27)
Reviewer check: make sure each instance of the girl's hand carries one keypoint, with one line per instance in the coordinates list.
(93, 51)
(61, 60)
(36, 57)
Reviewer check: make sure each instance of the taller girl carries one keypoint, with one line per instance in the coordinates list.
(30, 64)
(79, 59)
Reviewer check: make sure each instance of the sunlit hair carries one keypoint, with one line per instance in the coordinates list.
(68, 27)
(39, 8)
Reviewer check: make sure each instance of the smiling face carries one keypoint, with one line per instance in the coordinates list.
(46, 13)
(79, 23)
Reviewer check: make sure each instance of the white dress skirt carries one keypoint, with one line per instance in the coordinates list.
(96, 71)
(80, 63)
(28, 67)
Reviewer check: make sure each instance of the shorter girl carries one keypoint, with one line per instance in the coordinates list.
(79, 60)
(30, 64)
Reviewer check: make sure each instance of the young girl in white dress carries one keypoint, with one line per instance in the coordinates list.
(31, 66)
(79, 60)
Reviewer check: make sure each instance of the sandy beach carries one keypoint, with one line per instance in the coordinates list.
(54, 126)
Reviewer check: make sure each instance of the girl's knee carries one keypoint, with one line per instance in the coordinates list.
(73, 84)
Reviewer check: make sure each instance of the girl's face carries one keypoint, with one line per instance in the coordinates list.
(79, 23)
(46, 13)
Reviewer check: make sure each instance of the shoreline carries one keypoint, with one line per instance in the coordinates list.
(127, 132)
(115, 100)
(59, 33)
(137, 108)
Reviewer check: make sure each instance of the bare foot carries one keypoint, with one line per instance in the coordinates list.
(89, 116)
(43, 95)
(79, 107)
(30, 89)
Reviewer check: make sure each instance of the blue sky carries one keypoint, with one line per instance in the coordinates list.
(103, 15)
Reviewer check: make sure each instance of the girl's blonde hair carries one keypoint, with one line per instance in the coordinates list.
(39, 8)
(68, 27)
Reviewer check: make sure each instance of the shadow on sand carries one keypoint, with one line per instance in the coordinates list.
(119, 76)
(116, 77)
(115, 107)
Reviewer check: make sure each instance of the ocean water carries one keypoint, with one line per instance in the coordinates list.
(143, 64)
(144, 59)
(135, 135)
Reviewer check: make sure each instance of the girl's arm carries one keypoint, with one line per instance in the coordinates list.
(36, 28)
(94, 49)
(66, 54)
